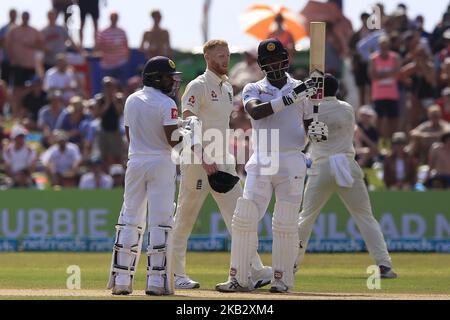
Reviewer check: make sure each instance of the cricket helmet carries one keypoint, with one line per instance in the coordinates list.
(273, 59)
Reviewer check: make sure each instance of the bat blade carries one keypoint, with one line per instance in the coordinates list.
(317, 61)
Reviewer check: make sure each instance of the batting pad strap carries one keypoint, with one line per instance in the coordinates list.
(126, 248)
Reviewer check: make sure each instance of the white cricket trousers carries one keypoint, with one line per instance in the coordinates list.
(194, 188)
(320, 186)
(288, 183)
(149, 180)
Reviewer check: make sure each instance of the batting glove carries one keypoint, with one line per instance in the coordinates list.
(302, 92)
(318, 131)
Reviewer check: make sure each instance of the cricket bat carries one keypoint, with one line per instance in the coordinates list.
(317, 62)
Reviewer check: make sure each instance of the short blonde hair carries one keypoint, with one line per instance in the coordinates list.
(211, 44)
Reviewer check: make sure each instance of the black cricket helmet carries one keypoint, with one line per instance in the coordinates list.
(273, 59)
(160, 73)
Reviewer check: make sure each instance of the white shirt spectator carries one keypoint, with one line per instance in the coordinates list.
(87, 181)
(19, 159)
(61, 161)
(64, 81)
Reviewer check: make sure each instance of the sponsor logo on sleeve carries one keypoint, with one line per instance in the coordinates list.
(174, 113)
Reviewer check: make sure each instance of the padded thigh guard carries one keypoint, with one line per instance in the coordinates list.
(285, 244)
(126, 251)
(160, 255)
(244, 240)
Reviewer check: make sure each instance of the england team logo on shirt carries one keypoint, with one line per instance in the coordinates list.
(214, 96)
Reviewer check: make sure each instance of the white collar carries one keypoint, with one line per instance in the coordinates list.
(215, 78)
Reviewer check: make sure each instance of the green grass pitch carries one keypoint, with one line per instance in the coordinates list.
(419, 273)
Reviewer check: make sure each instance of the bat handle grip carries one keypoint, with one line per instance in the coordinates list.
(316, 113)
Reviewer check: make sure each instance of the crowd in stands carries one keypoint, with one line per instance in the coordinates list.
(54, 132)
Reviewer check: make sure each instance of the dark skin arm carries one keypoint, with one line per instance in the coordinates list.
(168, 130)
(258, 110)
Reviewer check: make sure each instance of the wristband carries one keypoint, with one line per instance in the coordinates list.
(277, 104)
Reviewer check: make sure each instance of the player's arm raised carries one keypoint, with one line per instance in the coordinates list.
(258, 110)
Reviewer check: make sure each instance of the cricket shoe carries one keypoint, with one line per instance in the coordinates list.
(278, 286)
(387, 273)
(155, 286)
(123, 290)
(122, 285)
(261, 277)
(232, 285)
(184, 282)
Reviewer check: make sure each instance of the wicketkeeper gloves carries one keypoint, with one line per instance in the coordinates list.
(317, 131)
(222, 182)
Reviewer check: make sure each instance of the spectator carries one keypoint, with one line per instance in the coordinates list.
(110, 110)
(156, 41)
(24, 44)
(95, 178)
(117, 173)
(48, 116)
(439, 39)
(421, 76)
(34, 100)
(112, 46)
(90, 7)
(366, 137)
(334, 51)
(70, 119)
(359, 64)
(383, 69)
(427, 133)
(245, 71)
(62, 160)
(56, 40)
(88, 128)
(62, 6)
(4, 96)
(444, 103)
(63, 78)
(439, 164)
(5, 62)
(444, 76)
(419, 26)
(400, 169)
(20, 159)
(284, 36)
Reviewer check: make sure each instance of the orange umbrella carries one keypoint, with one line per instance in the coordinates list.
(259, 19)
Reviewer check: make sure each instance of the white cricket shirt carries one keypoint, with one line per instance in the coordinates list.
(146, 113)
(289, 121)
(339, 116)
(210, 98)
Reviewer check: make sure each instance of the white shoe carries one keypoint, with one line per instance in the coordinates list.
(278, 286)
(232, 285)
(261, 278)
(184, 282)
